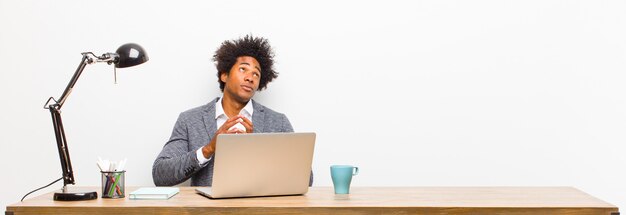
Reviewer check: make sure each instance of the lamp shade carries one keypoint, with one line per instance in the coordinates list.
(130, 54)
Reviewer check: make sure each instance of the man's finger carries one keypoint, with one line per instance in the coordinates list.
(248, 125)
(246, 120)
(234, 131)
(229, 124)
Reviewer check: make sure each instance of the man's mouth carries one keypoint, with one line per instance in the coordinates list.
(247, 88)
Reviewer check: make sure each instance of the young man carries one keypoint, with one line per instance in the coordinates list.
(244, 66)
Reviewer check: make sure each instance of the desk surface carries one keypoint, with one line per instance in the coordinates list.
(322, 200)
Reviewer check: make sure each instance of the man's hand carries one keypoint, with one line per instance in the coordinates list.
(247, 124)
(227, 128)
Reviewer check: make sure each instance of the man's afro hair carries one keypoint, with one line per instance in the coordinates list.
(257, 47)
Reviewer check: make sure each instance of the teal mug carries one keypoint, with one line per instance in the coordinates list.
(342, 176)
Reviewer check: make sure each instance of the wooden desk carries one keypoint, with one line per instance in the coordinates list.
(322, 200)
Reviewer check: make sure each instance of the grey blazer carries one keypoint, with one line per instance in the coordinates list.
(194, 129)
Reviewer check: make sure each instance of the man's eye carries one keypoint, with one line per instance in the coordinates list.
(256, 74)
(241, 69)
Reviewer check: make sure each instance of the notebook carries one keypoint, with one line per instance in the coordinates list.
(261, 164)
(154, 193)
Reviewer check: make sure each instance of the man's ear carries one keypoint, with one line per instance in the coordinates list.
(223, 76)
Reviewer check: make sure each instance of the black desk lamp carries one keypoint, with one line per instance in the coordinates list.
(127, 55)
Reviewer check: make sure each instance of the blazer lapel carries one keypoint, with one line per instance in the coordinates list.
(209, 119)
(258, 117)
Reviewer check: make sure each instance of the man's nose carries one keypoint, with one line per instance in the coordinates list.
(248, 78)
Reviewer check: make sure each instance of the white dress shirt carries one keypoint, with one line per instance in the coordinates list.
(220, 118)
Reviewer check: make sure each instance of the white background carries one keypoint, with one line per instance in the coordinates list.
(415, 93)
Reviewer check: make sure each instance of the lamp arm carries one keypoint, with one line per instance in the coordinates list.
(86, 60)
(55, 111)
(64, 154)
(59, 132)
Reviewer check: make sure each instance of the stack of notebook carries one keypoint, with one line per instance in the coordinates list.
(154, 193)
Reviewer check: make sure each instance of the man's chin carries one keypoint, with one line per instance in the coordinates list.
(241, 97)
(245, 97)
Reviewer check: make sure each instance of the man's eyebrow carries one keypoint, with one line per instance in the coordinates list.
(249, 65)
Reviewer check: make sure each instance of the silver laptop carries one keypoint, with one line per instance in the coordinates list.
(261, 164)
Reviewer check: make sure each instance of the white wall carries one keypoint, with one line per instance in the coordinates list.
(416, 93)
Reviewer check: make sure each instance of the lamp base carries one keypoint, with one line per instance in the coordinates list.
(75, 196)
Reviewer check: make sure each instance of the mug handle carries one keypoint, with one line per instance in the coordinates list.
(355, 171)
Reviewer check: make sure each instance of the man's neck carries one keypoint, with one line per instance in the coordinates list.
(231, 107)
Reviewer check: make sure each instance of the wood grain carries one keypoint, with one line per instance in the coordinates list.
(362, 200)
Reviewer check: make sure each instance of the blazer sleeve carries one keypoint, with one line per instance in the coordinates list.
(288, 128)
(176, 163)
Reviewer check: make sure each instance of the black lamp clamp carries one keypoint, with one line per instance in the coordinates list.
(127, 55)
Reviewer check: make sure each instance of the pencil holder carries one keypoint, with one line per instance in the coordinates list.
(113, 185)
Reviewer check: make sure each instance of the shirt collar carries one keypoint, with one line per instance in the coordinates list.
(246, 111)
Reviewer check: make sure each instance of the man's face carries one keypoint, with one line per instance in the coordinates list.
(242, 80)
